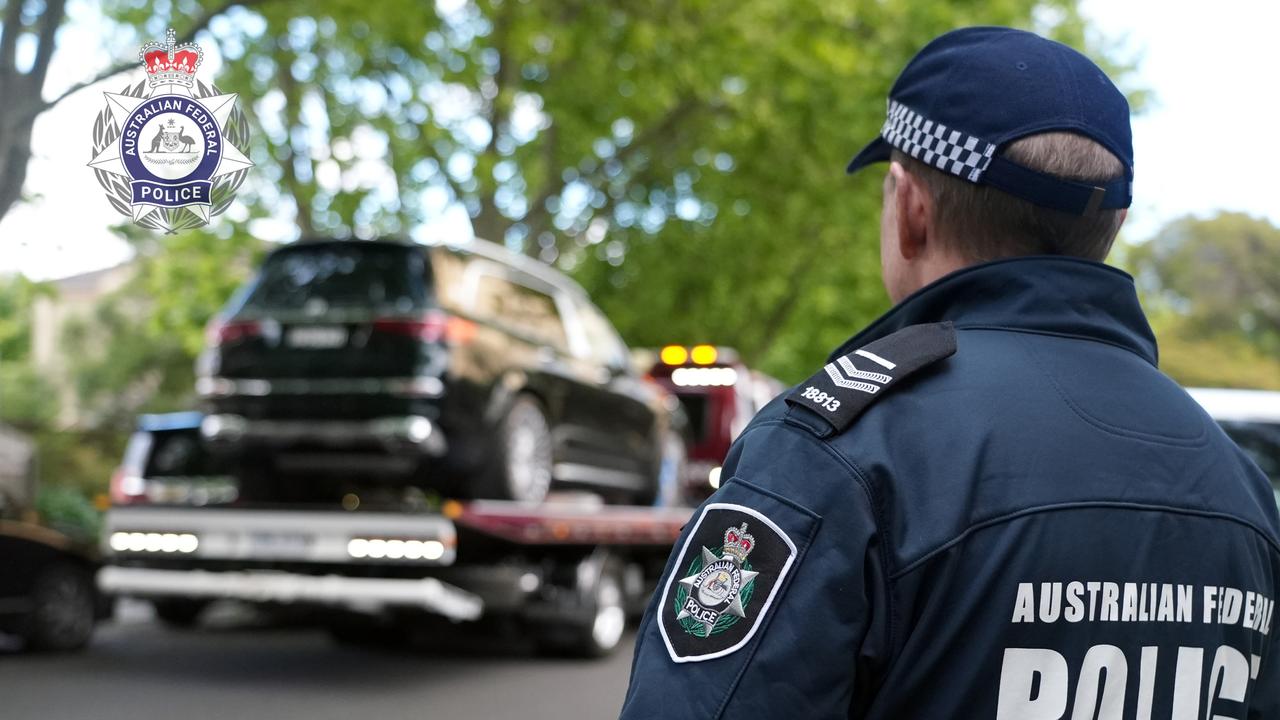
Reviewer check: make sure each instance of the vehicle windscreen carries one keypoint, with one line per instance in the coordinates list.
(695, 408)
(1261, 442)
(385, 278)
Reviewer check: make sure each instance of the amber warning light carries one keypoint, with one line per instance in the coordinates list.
(674, 355)
(679, 355)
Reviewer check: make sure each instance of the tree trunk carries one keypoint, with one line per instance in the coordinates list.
(22, 93)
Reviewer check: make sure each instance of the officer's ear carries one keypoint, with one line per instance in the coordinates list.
(913, 206)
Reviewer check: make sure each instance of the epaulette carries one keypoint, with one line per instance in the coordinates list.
(847, 386)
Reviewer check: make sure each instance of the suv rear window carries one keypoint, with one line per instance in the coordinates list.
(349, 275)
(171, 454)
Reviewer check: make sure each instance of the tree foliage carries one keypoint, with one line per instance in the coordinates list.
(24, 393)
(136, 352)
(17, 306)
(683, 158)
(1212, 286)
(1220, 275)
(24, 397)
(1220, 359)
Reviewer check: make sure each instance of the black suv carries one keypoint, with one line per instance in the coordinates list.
(469, 370)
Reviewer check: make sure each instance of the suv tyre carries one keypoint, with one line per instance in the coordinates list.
(523, 468)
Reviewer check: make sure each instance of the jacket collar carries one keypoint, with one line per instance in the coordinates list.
(1050, 295)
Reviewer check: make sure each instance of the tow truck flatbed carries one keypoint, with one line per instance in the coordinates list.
(563, 563)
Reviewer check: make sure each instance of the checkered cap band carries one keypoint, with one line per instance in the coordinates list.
(935, 144)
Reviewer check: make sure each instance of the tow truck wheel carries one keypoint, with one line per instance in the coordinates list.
(64, 609)
(602, 613)
(179, 614)
(523, 469)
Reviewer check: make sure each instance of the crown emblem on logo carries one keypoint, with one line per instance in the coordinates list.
(738, 542)
(168, 63)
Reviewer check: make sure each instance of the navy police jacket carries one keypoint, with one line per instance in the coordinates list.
(989, 504)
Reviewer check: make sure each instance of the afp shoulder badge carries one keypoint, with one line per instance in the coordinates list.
(728, 572)
(849, 384)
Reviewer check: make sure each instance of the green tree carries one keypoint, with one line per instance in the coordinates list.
(136, 352)
(24, 393)
(17, 305)
(24, 397)
(1212, 286)
(682, 158)
(1220, 275)
(1216, 360)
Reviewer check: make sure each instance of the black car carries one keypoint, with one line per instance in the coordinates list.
(468, 370)
(47, 591)
(48, 596)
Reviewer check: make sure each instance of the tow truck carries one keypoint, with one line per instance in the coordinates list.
(719, 394)
(570, 570)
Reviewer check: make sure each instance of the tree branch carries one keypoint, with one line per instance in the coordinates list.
(201, 23)
(489, 222)
(503, 79)
(292, 119)
(54, 11)
(9, 39)
(433, 153)
(663, 130)
(536, 218)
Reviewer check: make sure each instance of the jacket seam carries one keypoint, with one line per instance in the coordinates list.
(775, 496)
(800, 556)
(877, 511)
(1198, 441)
(1089, 505)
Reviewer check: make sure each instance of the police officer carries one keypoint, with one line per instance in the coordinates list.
(989, 503)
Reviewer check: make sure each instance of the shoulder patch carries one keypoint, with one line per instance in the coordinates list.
(724, 580)
(847, 386)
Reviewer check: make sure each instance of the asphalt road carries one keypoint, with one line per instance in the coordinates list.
(137, 670)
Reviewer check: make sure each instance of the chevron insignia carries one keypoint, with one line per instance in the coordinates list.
(843, 373)
(847, 385)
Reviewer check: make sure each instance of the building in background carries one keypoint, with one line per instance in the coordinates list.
(74, 298)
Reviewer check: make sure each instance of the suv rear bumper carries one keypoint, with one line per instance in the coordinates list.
(395, 433)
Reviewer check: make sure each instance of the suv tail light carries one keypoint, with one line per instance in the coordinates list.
(220, 332)
(127, 488)
(431, 327)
